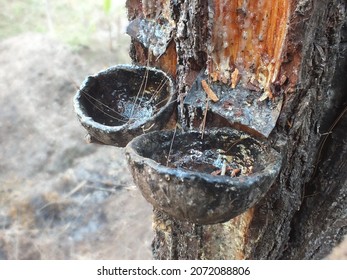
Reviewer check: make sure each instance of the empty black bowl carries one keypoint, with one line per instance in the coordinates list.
(204, 180)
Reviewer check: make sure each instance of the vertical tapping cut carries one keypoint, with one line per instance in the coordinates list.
(248, 36)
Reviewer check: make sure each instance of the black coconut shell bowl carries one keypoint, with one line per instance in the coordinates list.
(124, 101)
(204, 179)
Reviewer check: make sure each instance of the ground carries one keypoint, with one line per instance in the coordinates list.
(61, 198)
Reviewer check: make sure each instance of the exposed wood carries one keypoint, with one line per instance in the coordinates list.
(249, 36)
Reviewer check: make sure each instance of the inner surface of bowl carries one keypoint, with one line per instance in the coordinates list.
(220, 153)
(125, 95)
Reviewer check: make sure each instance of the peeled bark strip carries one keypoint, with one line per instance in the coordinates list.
(295, 49)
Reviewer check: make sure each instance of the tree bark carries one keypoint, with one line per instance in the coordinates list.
(304, 214)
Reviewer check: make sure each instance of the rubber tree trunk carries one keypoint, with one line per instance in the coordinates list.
(292, 50)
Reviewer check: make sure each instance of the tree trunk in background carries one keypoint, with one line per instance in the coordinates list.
(305, 212)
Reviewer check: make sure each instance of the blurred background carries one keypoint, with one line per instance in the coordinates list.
(61, 198)
(90, 28)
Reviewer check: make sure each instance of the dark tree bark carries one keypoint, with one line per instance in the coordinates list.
(305, 212)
